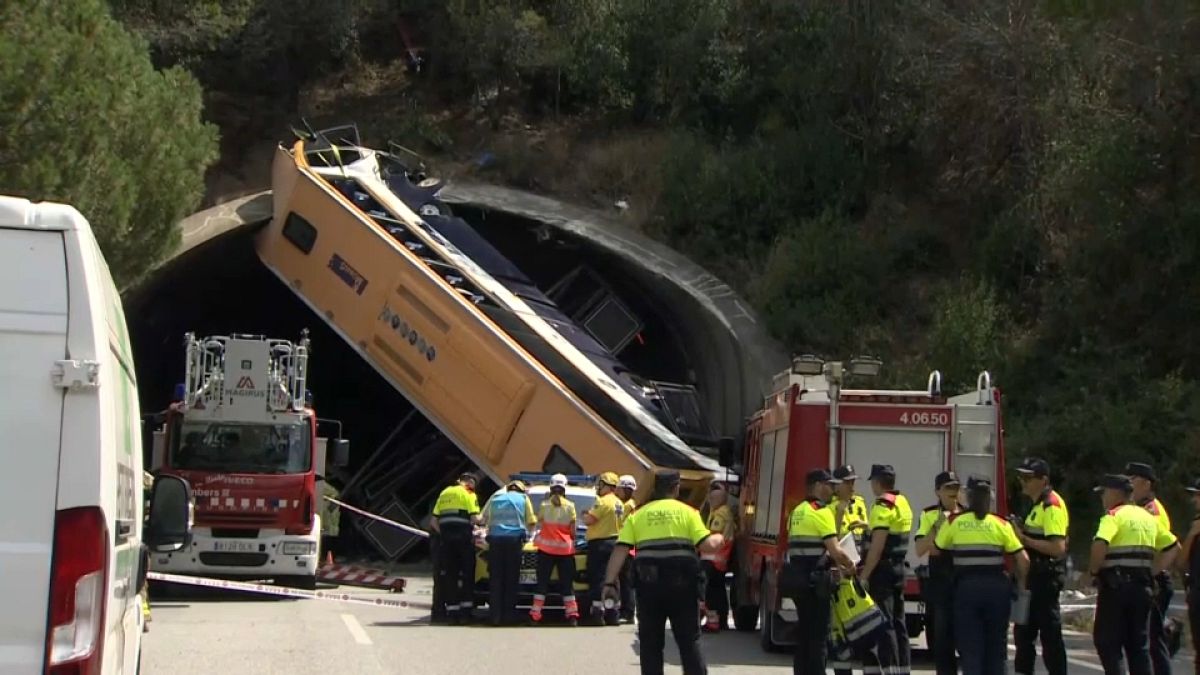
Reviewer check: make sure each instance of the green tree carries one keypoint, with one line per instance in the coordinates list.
(85, 119)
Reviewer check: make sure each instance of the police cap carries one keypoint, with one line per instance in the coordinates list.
(946, 478)
(1114, 481)
(468, 477)
(1194, 488)
(1034, 466)
(820, 476)
(880, 470)
(845, 472)
(1140, 470)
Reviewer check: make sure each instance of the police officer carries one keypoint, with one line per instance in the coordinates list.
(1142, 477)
(716, 563)
(937, 577)
(454, 517)
(603, 524)
(509, 519)
(812, 545)
(977, 541)
(1044, 535)
(849, 509)
(1129, 549)
(1189, 560)
(883, 571)
(626, 486)
(666, 533)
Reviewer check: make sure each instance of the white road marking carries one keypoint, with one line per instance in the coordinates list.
(356, 629)
(1077, 662)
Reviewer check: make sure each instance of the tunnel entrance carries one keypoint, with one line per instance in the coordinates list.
(220, 287)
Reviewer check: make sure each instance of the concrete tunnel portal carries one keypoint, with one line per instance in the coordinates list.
(693, 329)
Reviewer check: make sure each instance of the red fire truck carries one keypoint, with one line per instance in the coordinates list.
(811, 421)
(243, 432)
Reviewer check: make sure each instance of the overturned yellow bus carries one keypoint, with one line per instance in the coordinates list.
(467, 339)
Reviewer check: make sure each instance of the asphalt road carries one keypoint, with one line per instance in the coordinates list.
(226, 633)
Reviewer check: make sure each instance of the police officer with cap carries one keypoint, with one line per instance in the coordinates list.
(455, 514)
(1044, 535)
(1130, 548)
(849, 509)
(978, 541)
(1142, 477)
(666, 533)
(812, 546)
(1189, 560)
(937, 577)
(891, 524)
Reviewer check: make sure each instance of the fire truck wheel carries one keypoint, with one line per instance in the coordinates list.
(304, 583)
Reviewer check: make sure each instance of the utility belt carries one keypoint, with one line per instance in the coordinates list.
(802, 577)
(653, 570)
(1113, 578)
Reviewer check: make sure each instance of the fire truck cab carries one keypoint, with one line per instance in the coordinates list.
(243, 432)
(810, 421)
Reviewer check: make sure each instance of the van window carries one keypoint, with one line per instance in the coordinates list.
(242, 448)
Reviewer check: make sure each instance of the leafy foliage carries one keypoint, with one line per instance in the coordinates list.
(86, 120)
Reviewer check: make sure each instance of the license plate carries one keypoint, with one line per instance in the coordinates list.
(528, 576)
(236, 546)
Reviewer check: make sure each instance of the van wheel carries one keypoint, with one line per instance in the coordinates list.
(766, 620)
(304, 583)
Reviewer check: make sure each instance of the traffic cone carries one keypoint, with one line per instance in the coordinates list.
(329, 558)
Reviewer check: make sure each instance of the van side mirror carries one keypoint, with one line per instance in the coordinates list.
(725, 451)
(169, 526)
(339, 452)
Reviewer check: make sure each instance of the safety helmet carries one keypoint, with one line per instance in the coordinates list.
(627, 481)
(608, 478)
(558, 480)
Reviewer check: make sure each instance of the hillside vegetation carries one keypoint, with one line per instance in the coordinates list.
(1004, 184)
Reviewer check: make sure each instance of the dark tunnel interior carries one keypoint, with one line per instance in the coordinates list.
(220, 287)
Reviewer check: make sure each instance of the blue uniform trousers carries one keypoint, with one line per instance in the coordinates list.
(982, 603)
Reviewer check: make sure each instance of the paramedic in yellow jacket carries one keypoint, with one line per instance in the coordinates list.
(603, 524)
(716, 563)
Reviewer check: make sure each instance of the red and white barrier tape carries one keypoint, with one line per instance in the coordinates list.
(268, 589)
(406, 528)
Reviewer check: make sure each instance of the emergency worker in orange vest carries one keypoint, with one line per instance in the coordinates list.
(555, 542)
(716, 563)
(626, 486)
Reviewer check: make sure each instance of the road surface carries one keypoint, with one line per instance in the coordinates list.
(225, 633)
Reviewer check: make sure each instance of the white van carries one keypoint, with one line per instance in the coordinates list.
(71, 544)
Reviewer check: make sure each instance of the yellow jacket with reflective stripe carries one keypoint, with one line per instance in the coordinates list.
(455, 506)
(1133, 536)
(664, 529)
(978, 544)
(810, 524)
(856, 512)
